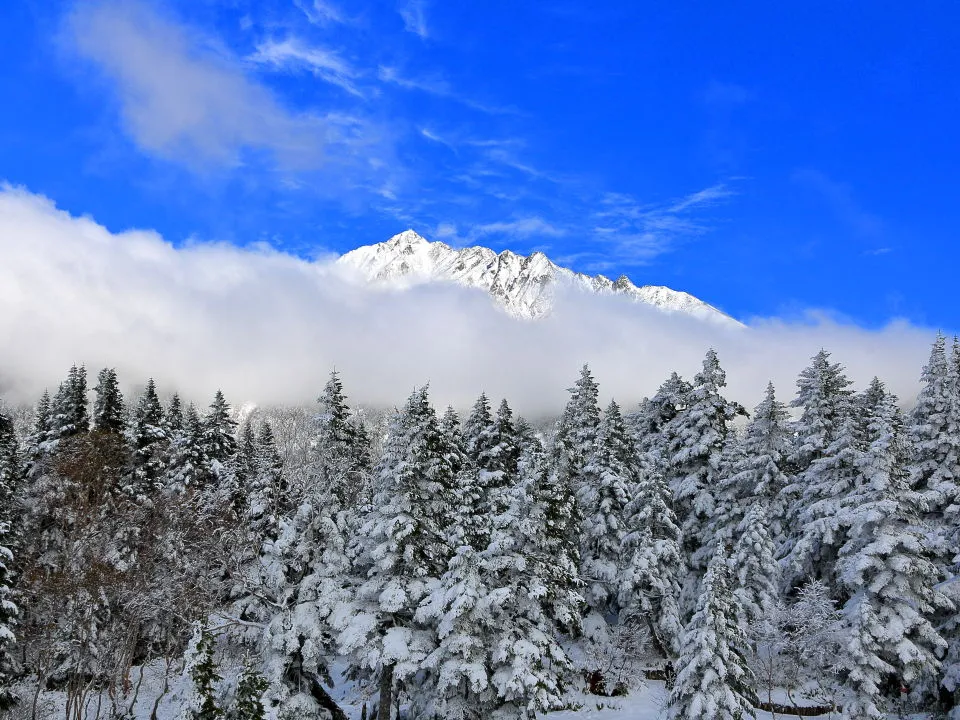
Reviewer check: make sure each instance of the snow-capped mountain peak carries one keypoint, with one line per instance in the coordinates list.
(522, 284)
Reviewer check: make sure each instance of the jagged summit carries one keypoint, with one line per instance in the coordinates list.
(522, 284)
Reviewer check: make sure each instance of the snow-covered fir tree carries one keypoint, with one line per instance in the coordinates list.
(268, 488)
(341, 448)
(652, 422)
(697, 450)
(300, 579)
(607, 484)
(173, 418)
(654, 567)
(150, 440)
(220, 433)
(243, 464)
(944, 487)
(12, 472)
(713, 679)
(825, 460)
(755, 569)
(479, 437)
(248, 703)
(189, 468)
(497, 654)
(507, 449)
(10, 475)
(406, 548)
(108, 412)
(935, 462)
(534, 568)
(69, 415)
(759, 473)
(201, 666)
(824, 396)
(884, 568)
(39, 440)
(577, 427)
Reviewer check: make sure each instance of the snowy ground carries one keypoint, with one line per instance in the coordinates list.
(645, 703)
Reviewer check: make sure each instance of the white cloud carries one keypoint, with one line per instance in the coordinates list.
(439, 88)
(414, 18)
(292, 53)
(635, 233)
(267, 327)
(522, 228)
(321, 12)
(841, 199)
(184, 101)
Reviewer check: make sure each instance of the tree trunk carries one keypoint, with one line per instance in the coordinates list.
(299, 678)
(386, 692)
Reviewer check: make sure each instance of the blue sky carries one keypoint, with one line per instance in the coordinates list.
(767, 157)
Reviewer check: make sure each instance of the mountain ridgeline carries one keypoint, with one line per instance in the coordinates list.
(524, 286)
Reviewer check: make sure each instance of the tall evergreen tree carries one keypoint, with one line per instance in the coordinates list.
(268, 488)
(652, 422)
(341, 447)
(189, 467)
(407, 547)
(219, 432)
(68, 411)
(173, 419)
(654, 566)
(507, 448)
(479, 435)
(577, 427)
(608, 481)
(10, 474)
(759, 473)
(301, 578)
(150, 439)
(558, 527)
(246, 453)
(202, 668)
(935, 465)
(108, 413)
(220, 447)
(884, 567)
(699, 435)
(38, 444)
(824, 459)
(11, 477)
(944, 486)
(497, 654)
(713, 679)
(756, 572)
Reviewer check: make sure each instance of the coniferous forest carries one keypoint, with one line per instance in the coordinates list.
(165, 560)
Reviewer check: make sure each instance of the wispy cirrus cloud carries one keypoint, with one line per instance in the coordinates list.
(321, 12)
(439, 88)
(413, 13)
(524, 228)
(635, 233)
(842, 201)
(294, 54)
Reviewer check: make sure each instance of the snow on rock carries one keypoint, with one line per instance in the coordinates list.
(522, 285)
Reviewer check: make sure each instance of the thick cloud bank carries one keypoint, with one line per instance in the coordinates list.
(267, 327)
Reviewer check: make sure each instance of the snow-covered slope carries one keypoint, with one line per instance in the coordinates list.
(522, 285)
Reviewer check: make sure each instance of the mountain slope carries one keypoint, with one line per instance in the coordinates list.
(522, 285)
